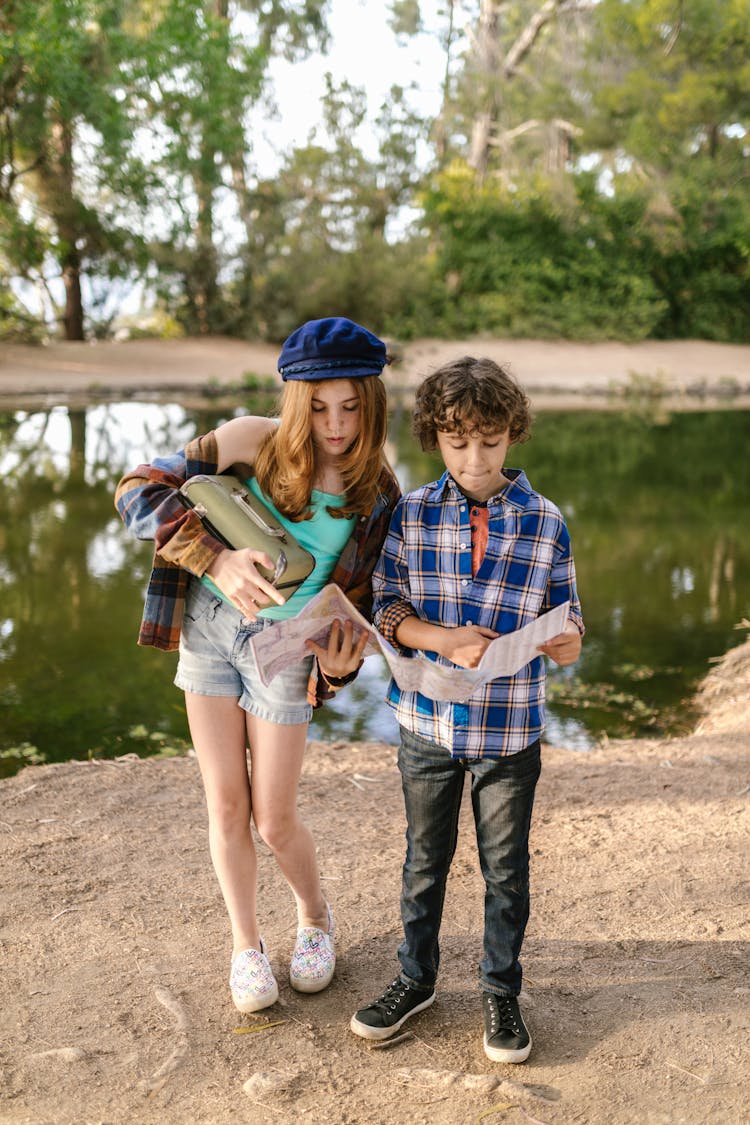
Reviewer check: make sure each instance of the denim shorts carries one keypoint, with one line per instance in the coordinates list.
(216, 659)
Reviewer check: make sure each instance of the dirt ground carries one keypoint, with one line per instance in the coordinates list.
(690, 372)
(115, 949)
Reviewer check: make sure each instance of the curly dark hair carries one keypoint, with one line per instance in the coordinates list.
(468, 396)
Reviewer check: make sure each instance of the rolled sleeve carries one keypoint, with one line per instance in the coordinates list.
(562, 582)
(186, 543)
(148, 500)
(389, 619)
(390, 583)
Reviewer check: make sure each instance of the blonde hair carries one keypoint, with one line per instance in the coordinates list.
(285, 464)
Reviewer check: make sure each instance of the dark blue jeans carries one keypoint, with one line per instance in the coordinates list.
(502, 796)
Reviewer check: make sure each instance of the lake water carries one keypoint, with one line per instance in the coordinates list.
(657, 509)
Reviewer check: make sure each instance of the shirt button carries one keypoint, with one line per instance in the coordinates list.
(469, 622)
(464, 581)
(462, 546)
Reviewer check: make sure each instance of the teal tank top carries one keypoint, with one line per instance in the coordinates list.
(322, 535)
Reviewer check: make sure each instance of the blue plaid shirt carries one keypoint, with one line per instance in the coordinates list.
(425, 571)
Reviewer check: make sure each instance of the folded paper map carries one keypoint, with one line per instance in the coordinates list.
(284, 644)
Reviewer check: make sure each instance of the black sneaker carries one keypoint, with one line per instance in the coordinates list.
(384, 1016)
(506, 1036)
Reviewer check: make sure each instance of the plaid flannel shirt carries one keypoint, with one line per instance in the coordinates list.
(148, 502)
(425, 571)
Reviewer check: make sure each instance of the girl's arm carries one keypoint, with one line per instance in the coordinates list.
(353, 573)
(240, 439)
(236, 572)
(149, 504)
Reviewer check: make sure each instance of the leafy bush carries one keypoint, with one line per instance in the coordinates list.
(392, 288)
(564, 260)
(705, 275)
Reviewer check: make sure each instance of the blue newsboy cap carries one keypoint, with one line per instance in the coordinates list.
(332, 348)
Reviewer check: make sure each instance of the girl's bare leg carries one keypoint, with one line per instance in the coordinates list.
(276, 755)
(217, 726)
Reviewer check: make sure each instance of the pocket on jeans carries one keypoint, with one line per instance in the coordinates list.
(198, 602)
(528, 762)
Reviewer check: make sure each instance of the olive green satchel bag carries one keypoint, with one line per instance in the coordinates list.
(228, 509)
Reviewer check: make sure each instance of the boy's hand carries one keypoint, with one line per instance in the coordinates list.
(466, 645)
(565, 648)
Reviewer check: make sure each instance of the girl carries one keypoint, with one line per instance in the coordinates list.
(320, 466)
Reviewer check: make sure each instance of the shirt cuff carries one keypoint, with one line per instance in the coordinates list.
(577, 620)
(389, 619)
(191, 546)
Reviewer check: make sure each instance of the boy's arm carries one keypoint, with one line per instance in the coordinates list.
(464, 645)
(391, 590)
(565, 648)
(394, 616)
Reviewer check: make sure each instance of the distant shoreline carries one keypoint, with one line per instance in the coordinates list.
(681, 374)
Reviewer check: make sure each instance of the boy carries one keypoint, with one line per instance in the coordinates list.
(470, 556)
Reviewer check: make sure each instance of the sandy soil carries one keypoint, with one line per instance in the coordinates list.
(114, 995)
(115, 949)
(689, 371)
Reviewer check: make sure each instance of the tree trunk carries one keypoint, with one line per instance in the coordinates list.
(77, 459)
(493, 71)
(487, 62)
(73, 314)
(439, 130)
(56, 191)
(204, 286)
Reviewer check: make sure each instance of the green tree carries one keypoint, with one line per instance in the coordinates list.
(203, 71)
(63, 139)
(670, 83)
(670, 113)
(123, 130)
(323, 235)
(598, 180)
(511, 85)
(540, 261)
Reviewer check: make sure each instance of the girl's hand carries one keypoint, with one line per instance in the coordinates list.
(466, 645)
(565, 648)
(344, 653)
(237, 576)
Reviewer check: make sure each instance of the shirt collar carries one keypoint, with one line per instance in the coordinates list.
(515, 494)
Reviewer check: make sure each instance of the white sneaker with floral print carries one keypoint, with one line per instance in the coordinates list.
(314, 959)
(251, 980)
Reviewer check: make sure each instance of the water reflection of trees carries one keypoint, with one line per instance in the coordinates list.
(657, 513)
(69, 678)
